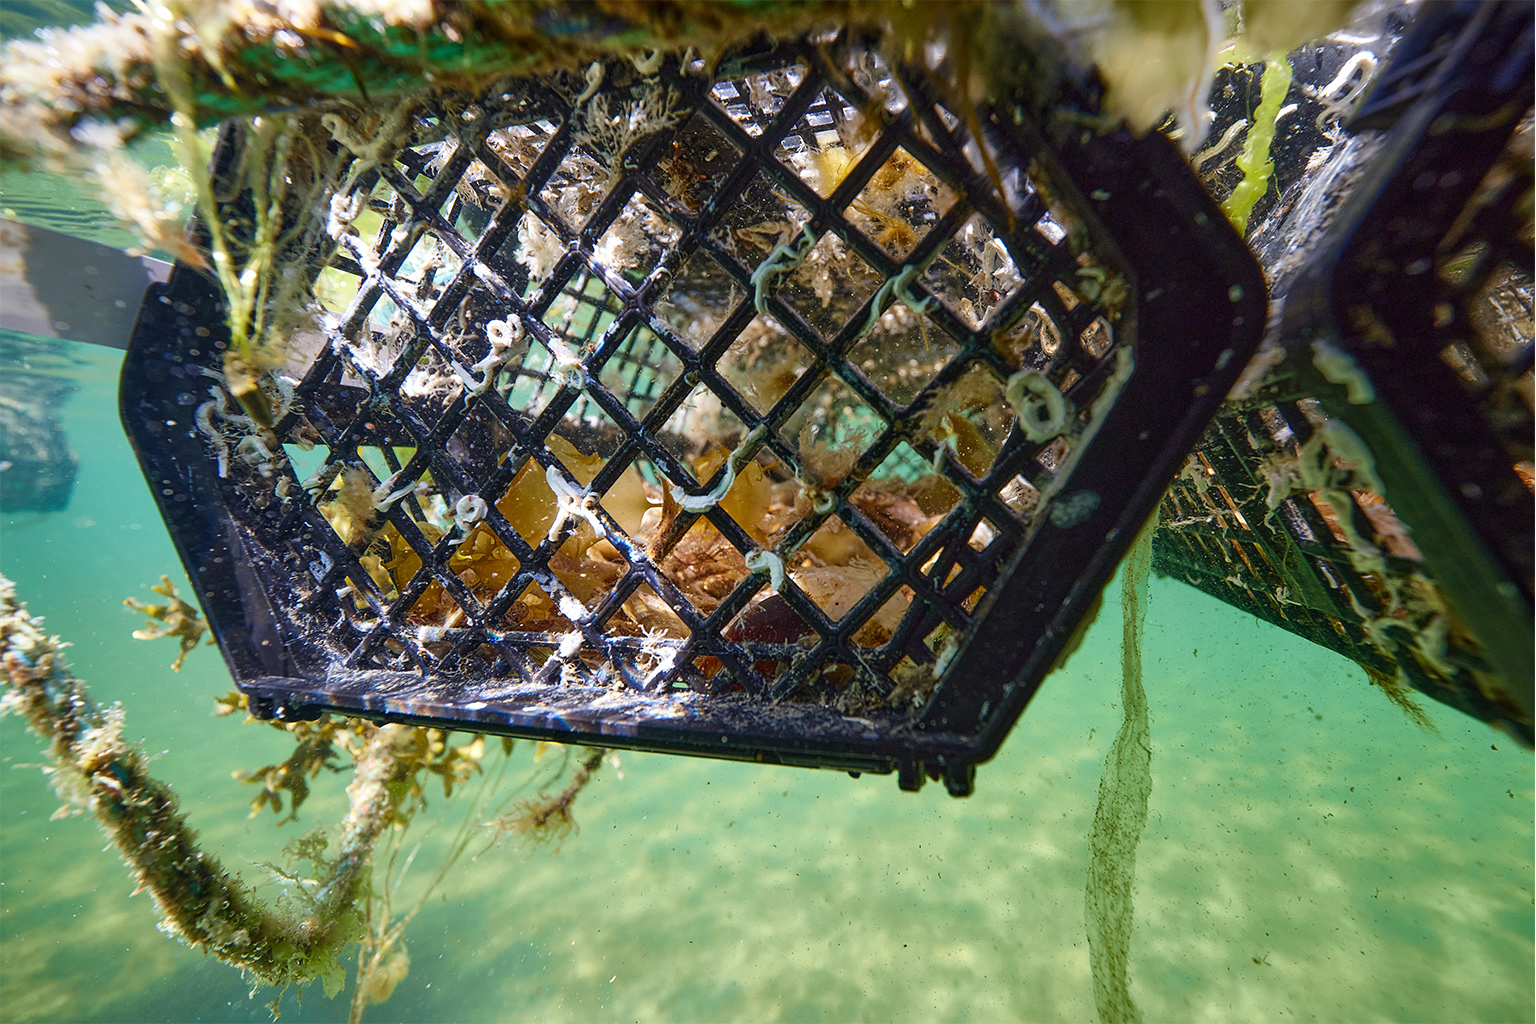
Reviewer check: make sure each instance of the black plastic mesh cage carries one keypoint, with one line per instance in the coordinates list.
(765, 413)
(1374, 492)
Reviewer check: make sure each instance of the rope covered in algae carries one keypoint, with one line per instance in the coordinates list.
(244, 57)
(201, 903)
(1122, 812)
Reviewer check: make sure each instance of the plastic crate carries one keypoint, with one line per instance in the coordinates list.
(749, 416)
(1369, 495)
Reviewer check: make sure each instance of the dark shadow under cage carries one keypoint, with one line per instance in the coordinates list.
(768, 415)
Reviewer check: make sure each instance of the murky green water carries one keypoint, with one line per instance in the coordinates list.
(1309, 854)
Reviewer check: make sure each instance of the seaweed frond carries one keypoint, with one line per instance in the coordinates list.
(546, 819)
(175, 619)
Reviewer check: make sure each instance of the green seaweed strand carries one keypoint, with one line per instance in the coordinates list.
(1122, 812)
(1254, 161)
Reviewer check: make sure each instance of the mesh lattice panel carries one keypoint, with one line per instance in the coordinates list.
(752, 416)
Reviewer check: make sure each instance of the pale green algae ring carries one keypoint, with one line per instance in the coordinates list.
(1042, 409)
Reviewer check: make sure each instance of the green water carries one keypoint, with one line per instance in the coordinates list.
(1309, 853)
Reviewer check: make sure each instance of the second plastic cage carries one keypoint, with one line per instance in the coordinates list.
(751, 416)
(1372, 491)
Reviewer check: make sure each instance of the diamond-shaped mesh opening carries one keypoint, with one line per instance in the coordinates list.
(536, 611)
(587, 567)
(704, 566)
(982, 535)
(902, 352)
(640, 370)
(879, 627)
(1054, 454)
(428, 388)
(582, 311)
(974, 273)
(384, 566)
(830, 430)
(308, 463)
(901, 204)
(349, 507)
(637, 239)
(752, 500)
(1030, 341)
(653, 656)
(376, 461)
(753, 100)
(335, 289)
(649, 615)
(426, 266)
(1050, 230)
(532, 507)
(479, 194)
(699, 299)
(835, 682)
(536, 247)
(382, 311)
(692, 167)
(628, 497)
(836, 568)
(435, 609)
(764, 362)
(1066, 294)
(1021, 497)
(970, 603)
(481, 561)
(479, 434)
(535, 382)
(939, 638)
(905, 498)
(519, 145)
(411, 166)
(576, 188)
(825, 144)
(770, 619)
(758, 221)
(701, 423)
(830, 285)
(1097, 338)
(970, 419)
